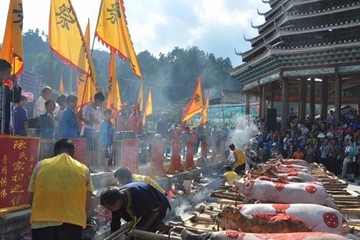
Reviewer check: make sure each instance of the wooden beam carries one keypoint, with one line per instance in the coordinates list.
(337, 99)
(263, 101)
(247, 103)
(324, 97)
(312, 99)
(302, 99)
(285, 102)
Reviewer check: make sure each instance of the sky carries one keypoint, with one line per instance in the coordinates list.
(159, 26)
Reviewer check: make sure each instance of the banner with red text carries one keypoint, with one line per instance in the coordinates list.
(18, 156)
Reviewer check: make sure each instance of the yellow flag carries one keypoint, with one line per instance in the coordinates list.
(113, 32)
(114, 99)
(86, 87)
(140, 99)
(205, 110)
(66, 38)
(196, 103)
(61, 87)
(12, 45)
(148, 107)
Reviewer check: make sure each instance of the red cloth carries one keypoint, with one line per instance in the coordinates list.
(121, 122)
(135, 123)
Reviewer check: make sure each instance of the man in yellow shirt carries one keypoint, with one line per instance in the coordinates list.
(124, 176)
(53, 182)
(229, 175)
(239, 159)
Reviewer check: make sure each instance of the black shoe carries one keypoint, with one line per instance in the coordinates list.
(351, 180)
(92, 170)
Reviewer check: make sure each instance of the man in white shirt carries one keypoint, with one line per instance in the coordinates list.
(39, 108)
(91, 118)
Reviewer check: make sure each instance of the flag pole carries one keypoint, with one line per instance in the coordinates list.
(51, 69)
(97, 22)
(13, 100)
(83, 40)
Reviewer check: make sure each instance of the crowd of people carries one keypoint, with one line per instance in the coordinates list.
(139, 198)
(320, 141)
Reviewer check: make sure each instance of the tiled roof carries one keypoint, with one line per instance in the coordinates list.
(303, 33)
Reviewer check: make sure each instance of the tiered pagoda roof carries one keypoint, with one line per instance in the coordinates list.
(299, 35)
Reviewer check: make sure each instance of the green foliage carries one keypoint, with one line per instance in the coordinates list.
(172, 76)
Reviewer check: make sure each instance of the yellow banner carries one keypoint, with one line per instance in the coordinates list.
(114, 99)
(205, 110)
(140, 99)
(112, 31)
(196, 103)
(86, 88)
(61, 87)
(66, 38)
(148, 107)
(12, 45)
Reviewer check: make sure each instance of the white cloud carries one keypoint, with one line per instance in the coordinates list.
(160, 25)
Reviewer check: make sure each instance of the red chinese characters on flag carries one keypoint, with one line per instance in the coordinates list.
(18, 157)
